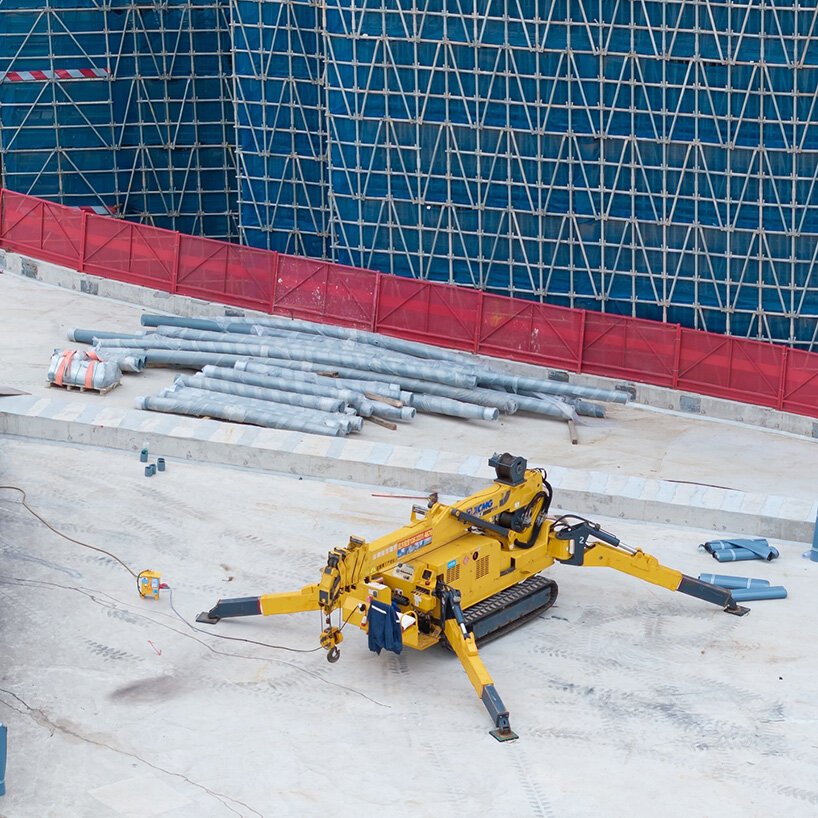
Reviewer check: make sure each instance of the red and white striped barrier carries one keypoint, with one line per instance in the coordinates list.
(57, 74)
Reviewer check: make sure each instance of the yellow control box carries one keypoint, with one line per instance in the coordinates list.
(148, 583)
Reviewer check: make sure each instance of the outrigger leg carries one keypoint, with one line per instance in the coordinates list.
(292, 602)
(464, 645)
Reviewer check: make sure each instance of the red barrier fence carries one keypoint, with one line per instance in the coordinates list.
(457, 317)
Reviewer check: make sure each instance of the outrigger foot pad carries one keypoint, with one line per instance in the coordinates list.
(737, 610)
(206, 619)
(503, 734)
(499, 715)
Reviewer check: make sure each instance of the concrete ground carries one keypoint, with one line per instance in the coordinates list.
(632, 440)
(629, 700)
(626, 697)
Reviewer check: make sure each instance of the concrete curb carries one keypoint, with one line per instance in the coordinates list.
(423, 470)
(656, 396)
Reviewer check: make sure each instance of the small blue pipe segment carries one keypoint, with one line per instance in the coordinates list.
(812, 554)
(3, 740)
(735, 555)
(757, 544)
(750, 594)
(730, 583)
(718, 545)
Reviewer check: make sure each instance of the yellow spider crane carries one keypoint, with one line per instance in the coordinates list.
(462, 574)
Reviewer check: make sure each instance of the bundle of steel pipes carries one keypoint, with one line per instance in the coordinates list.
(293, 374)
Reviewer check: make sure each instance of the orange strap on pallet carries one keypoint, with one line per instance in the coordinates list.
(89, 375)
(65, 362)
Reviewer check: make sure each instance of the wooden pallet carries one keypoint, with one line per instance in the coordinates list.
(71, 387)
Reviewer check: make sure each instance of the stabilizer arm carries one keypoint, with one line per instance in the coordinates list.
(611, 553)
(463, 644)
(290, 602)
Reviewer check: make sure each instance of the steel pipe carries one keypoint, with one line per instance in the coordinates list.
(381, 364)
(287, 338)
(127, 360)
(387, 390)
(274, 395)
(582, 407)
(415, 349)
(349, 423)
(482, 397)
(552, 407)
(517, 385)
(251, 376)
(453, 408)
(236, 414)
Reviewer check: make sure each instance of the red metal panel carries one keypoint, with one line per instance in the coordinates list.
(322, 291)
(632, 348)
(45, 230)
(734, 368)
(130, 252)
(530, 332)
(801, 383)
(225, 272)
(427, 311)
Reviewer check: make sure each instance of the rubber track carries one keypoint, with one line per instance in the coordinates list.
(509, 598)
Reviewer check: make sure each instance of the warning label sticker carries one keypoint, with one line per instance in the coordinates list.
(414, 543)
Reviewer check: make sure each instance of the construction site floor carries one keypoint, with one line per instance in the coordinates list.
(632, 440)
(629, 700)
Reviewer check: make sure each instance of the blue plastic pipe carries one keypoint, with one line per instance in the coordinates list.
(750, 594)
(735, 555)
(812, 554)
(3, 739)
(760, 547)
(724, 581)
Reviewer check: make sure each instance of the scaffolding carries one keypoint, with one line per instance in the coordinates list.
(280, 125)
(653, 159)
(635, 157)
(121, 107)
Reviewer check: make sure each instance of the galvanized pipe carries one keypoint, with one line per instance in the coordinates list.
(274, 395)
(252, 377)
(127, 360)
(387, 412)
(387, 366)
(245, 325)
(416, 349)
(347, 422)
(288, 339)
(582, 407)
(386, 390)
(549, 406)
(454, 408)
(482, 397)
(236, 414)
(486, 377)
